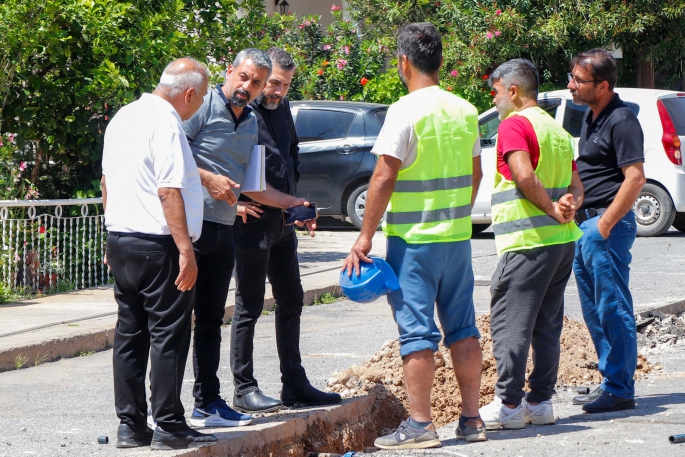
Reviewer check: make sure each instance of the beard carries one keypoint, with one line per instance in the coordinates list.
(237, 101)
(504, 107)
(269, 102)
(403, 80)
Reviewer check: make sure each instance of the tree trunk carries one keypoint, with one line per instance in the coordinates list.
(645, 74)
(37, 162)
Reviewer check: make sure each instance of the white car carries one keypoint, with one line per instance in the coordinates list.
(662, 115)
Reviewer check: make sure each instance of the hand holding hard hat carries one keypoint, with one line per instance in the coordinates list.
(375, 279)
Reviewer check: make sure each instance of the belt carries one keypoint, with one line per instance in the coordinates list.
(146, 236)
(587, 213)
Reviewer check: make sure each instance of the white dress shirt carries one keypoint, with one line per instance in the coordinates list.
(146, 149)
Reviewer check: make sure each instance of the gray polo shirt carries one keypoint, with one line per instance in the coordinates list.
(221, 144)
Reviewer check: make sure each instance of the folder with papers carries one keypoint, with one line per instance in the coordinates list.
(254, 179)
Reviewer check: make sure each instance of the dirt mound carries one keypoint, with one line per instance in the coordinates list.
(578, 366)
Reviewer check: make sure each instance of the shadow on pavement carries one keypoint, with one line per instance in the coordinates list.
(528, 432)
(647, 405)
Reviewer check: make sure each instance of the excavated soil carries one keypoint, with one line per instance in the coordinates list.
(578, 366)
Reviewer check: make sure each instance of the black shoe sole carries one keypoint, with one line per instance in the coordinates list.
(123, 444)
(252, 411)
(306, 404)
(161, 446)
(612, 410)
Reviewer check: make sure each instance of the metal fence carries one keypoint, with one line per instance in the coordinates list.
(44, 252)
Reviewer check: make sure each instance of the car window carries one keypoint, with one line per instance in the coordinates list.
(375, 121)
(676, 108)
(488, 129)
(317, 125)
(574, 114)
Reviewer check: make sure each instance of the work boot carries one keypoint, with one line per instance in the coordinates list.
(592, 396)
(255, 402)
(308, 395)
(408, 437)
(128, 437)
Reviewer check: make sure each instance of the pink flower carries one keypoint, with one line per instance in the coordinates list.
(326, 47)
(341, 63)
(336, 8)
(342, 98)
(11, 137)
(489, 35)
(301, 26)
(1, 143)
(346, 49)
(17, 258)
(498, 12)
(498, 33)
(454, 73)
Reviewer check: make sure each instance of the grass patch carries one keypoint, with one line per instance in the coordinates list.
(325, 299)
(20, 361)
(83, 353)
(40, 360)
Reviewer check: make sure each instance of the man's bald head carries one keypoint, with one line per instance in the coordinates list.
(183, 84)
(182, 74)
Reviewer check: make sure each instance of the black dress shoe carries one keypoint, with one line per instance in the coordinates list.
(128, 437)
(185, 438)
(607, 403)
(592, 396)
(308, 395)
(256, 402)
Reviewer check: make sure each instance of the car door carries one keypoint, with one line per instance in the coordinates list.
(488, 126)
(331, 148)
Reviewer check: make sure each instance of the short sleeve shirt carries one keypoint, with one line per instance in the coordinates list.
(221, 144)
(516, 133)
(145, 150)
(610, 142)
(397, 137)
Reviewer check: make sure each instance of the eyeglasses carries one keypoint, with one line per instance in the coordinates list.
(578, 82)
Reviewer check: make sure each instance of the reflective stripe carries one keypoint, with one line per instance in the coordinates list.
(524, 224)
(421, 217)
(516, 194)
(430, 185)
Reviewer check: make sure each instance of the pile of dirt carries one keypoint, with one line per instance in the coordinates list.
(660, 332)
(578, 366)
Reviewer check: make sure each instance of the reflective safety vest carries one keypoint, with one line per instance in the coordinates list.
(431, 202)
(519, 224)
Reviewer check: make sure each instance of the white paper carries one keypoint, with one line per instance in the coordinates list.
(254, 179)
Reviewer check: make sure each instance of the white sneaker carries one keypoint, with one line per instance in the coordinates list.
(542, 414)
(150, 421)
(497, 416)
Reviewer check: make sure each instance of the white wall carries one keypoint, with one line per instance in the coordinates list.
(302, 7)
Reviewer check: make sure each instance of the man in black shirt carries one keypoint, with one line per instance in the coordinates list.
(610, 167)
(265, 247)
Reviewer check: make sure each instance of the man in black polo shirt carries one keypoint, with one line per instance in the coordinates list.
(610, 167)
(265, 247)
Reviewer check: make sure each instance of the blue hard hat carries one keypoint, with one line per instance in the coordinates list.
(375, 280)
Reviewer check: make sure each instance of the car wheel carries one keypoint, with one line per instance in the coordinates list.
(356, 205)
(654, 211)
(478, 228)
(679, 221)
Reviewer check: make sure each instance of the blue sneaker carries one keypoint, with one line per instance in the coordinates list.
(218, 414)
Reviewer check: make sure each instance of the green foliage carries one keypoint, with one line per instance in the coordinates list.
(325, 299)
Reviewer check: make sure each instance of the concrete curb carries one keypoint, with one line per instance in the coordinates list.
(49, 350)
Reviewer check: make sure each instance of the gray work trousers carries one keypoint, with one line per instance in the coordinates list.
(527, 309)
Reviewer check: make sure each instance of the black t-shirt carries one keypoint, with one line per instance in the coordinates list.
(611, 141)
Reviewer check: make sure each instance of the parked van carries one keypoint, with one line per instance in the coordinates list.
(661, 203)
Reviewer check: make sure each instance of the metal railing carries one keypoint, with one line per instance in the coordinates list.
(44, 252)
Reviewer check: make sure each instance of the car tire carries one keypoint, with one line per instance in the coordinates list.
(356, 205)
(654, 211)
(679, 221)
(478, 228)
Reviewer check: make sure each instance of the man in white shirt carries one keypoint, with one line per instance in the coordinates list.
(152, 196)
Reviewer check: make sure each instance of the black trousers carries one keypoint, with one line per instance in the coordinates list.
(527, 310)
(215, 254)
(266, 248)
(153, 319)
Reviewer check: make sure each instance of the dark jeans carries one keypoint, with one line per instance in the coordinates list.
(527, 309)
(215, 254)
(266, 248)
(602, 269)
(154, 320)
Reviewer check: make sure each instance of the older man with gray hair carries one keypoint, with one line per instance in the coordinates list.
(153, 212)
(536, 192)
(221, 135)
